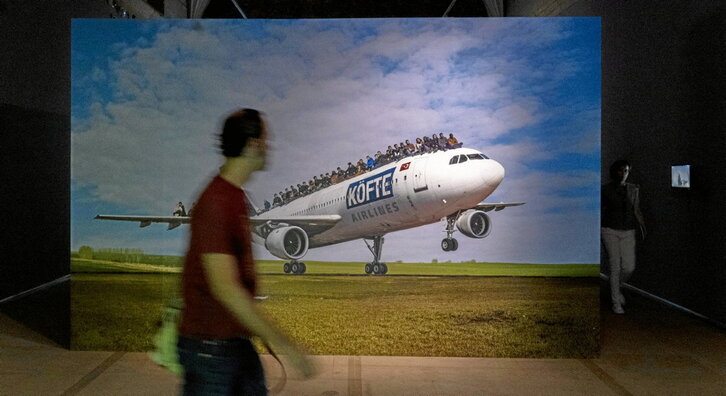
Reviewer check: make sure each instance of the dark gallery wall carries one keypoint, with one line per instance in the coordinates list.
(664, 103)
(34, 198)
(35, 163)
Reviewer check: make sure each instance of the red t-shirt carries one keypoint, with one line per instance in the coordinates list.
(220, 224)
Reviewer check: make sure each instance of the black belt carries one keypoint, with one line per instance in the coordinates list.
(214, 346)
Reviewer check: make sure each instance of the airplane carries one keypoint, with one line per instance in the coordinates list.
(410, 192)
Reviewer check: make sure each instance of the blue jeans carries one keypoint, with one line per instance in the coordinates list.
(221, 367)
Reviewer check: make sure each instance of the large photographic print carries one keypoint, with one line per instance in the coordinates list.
(431, 187)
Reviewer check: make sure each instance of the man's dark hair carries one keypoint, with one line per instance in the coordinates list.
(615, 167)
(238, 127)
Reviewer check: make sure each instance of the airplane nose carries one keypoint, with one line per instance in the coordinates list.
(493, 173)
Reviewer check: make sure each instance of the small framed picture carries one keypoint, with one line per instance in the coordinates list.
(681, 176)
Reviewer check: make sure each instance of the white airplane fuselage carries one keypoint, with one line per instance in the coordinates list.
(411, 192)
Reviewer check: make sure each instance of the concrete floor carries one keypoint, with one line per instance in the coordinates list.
(652, 349)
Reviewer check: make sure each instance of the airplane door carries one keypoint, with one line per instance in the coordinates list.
(419, 176)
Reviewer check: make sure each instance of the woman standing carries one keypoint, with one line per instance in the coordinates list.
(620, 215)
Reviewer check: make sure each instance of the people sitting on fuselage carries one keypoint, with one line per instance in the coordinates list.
(396, 152)
(350, 171)
(410, 147)
(370, 163)
(452, 142)
(360, 167)
(442, 141)
(420, 148)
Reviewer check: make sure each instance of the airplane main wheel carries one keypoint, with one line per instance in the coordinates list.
(295, 268)
(369, 268)
(455, 244)
(303, 268)
(446, 244)
(384, 269)
(286, 268)
(377, 269)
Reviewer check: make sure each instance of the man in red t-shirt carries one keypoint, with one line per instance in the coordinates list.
(219, 278)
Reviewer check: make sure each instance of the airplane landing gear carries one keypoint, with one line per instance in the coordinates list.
(376, 267)
(295, 267)
(450, 244)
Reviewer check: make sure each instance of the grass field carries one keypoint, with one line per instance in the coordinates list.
(321, 267)
(100, 266)
(368, 315)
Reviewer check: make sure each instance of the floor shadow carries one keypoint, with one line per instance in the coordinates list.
(46, 311)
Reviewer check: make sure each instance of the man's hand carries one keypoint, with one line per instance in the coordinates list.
(298, 360)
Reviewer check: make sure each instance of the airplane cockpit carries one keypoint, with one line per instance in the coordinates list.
(458, 159)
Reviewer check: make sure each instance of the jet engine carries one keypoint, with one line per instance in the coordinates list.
(474, 224)
(287, 242)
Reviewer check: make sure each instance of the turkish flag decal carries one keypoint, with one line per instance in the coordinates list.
(405, 166)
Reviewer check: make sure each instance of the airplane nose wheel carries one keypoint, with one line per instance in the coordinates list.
(294, 267)
(449, 244)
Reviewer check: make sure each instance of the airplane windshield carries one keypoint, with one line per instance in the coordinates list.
(457, 159)
(476, 156)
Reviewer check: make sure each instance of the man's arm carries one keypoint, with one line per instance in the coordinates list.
(222, 274)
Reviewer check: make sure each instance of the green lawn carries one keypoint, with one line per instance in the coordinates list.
(95, 266)
(369, 315)
(467, 269)
(321, 267)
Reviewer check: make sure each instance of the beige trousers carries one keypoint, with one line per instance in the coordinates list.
(620, 247)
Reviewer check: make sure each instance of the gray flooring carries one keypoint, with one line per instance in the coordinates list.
(651, 350)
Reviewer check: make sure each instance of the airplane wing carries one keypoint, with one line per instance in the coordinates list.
(310, 224)
(145, 221)
(486, 207)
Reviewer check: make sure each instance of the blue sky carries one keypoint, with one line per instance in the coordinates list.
(148, 98)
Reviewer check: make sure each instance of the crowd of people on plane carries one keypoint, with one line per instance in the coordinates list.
(391, 154)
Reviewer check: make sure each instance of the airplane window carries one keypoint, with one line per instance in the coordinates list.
(454, 160)
(475, 156)
(462, 158)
